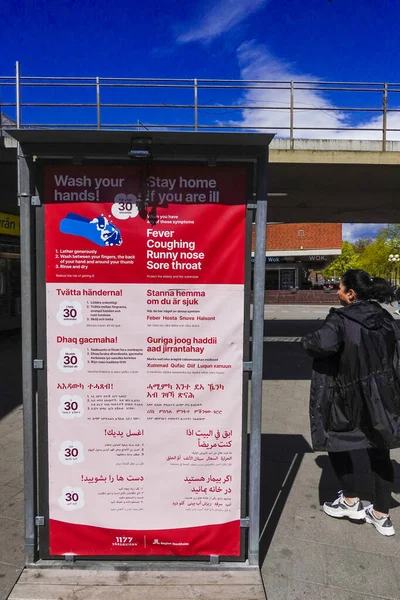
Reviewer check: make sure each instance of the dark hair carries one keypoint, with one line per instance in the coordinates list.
(367, 287)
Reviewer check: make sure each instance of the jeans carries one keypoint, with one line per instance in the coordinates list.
(382, 471)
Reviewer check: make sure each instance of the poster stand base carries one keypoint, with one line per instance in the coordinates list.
(143, 581)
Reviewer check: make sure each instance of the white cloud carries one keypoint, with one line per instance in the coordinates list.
(354, 231)
(223, 16)
(257, 63)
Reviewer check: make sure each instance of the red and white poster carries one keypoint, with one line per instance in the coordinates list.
(145, 358)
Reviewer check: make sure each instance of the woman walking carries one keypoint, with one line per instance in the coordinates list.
(355, 393)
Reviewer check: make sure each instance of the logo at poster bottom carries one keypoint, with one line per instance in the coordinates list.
(85, 540)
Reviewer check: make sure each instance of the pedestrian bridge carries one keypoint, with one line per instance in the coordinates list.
(316, 174)
(334, 181)
(322, 181)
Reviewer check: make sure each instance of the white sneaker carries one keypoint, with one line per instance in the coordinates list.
(339, 509)
(397, 312)
(383, 524)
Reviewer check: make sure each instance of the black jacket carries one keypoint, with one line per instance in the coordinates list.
(355, 385)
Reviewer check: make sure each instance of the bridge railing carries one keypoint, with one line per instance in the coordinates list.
(291, 109)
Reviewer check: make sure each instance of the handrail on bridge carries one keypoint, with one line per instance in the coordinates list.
(181, 98)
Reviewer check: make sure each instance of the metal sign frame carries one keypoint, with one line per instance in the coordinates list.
(42, 408)
(38, 147)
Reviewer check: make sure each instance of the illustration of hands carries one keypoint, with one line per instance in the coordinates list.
(99, 230)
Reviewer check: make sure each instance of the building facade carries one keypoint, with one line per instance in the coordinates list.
(298, 252)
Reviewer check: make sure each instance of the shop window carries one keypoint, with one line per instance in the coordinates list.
(288, 279)
(10, 285)
(4, 300)
(272, 280)
(14, 274)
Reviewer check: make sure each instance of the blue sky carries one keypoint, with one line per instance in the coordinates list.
(338, 40)
(355, 231)
(246, 39)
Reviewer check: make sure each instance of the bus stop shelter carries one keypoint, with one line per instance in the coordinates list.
(137, 360)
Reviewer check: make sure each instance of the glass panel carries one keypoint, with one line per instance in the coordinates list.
(287, 279)
(15, 286)
(4, 307)
(272, 280)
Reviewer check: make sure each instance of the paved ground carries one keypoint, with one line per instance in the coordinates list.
(305, 554)
(295, 312)
(11, 463)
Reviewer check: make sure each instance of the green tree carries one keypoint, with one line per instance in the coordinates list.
(360, 245)
(349, 259)
(391, 235)
(374, 258)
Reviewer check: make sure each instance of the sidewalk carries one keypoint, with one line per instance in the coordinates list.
(11, 464)
(305, 554)
(311, 555)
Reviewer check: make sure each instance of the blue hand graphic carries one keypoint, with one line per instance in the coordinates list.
(99, 230)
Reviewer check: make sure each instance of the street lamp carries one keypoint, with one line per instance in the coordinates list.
(394, 259)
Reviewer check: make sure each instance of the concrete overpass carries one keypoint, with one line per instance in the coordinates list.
(317, 181)
(334, 181)
(338, 179)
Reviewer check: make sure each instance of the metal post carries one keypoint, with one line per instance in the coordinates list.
(98, 102)
(18, 95)
(257, 358)
(28, 392)
(291, 115)
(196, 113)
(384, 120)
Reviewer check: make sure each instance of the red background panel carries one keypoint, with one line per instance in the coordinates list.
(217, 229)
